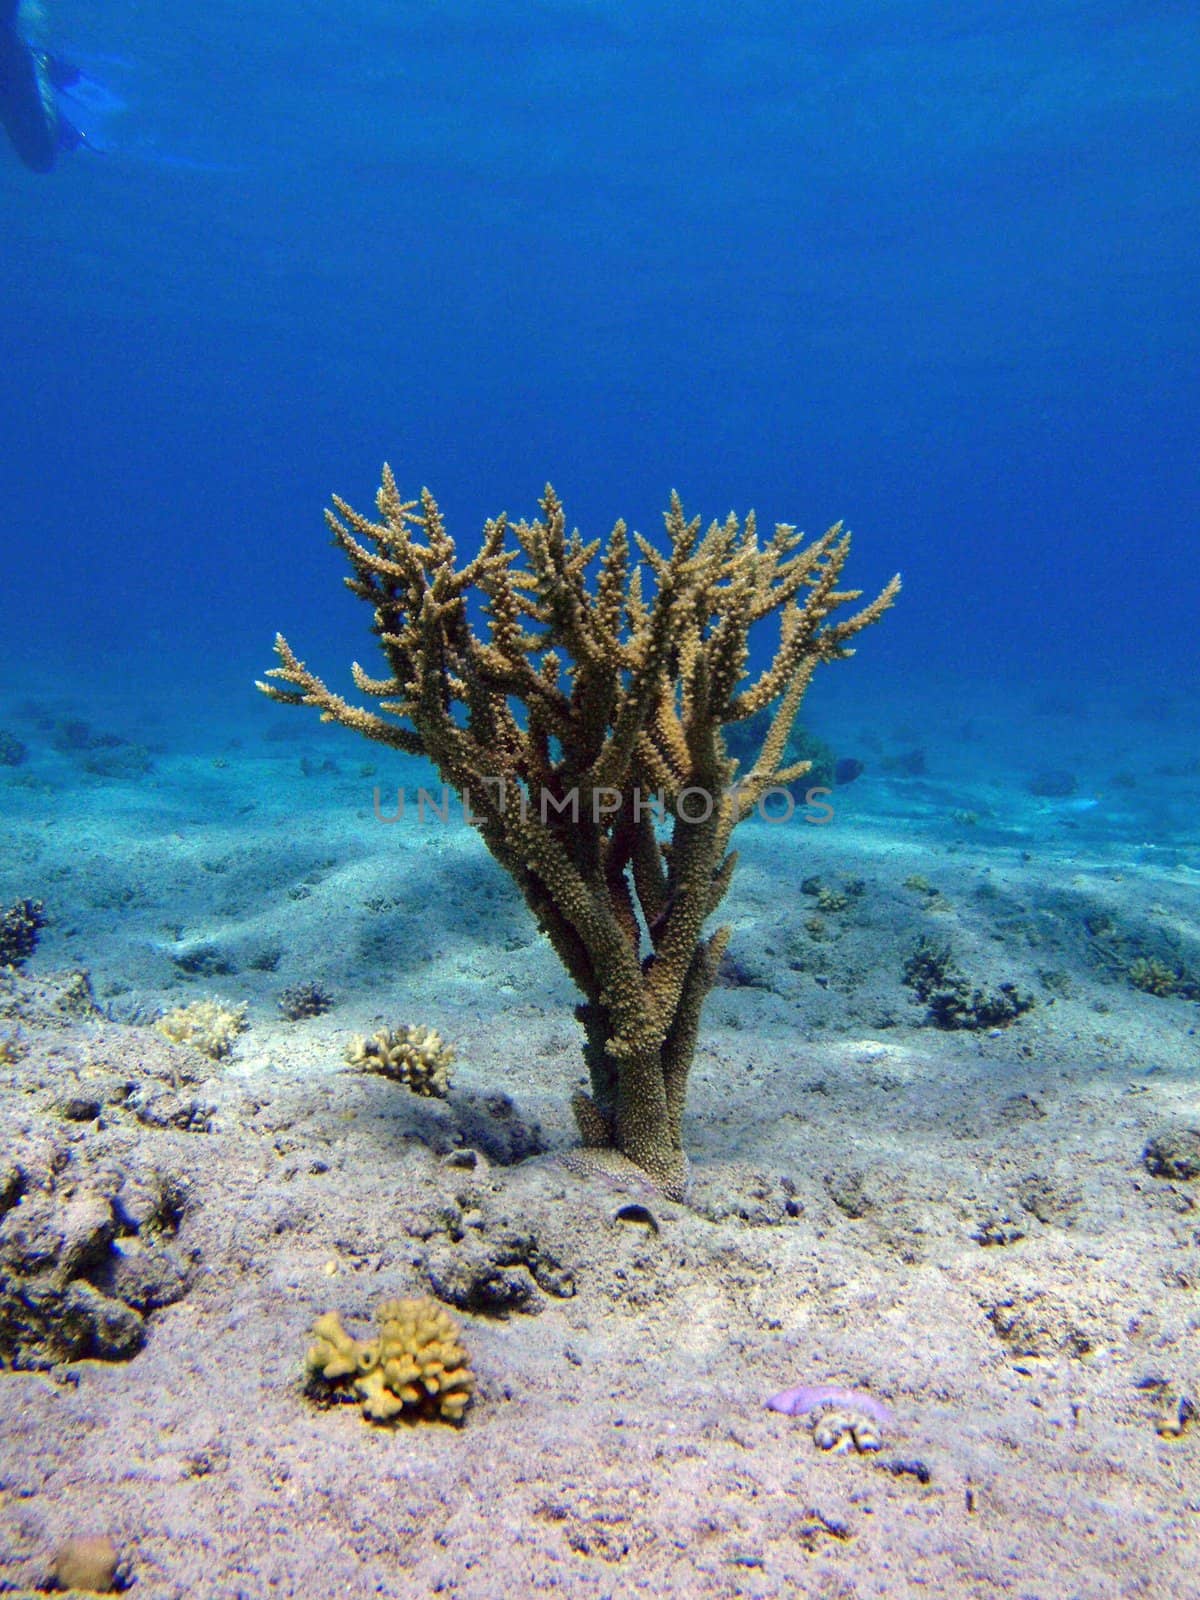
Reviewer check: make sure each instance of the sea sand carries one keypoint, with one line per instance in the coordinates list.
(960, 1222)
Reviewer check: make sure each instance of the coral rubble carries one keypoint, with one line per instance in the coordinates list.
(19, 929)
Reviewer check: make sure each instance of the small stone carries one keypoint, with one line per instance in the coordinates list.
(93, 1327)
(88, 1562)
(842, 1431)
(78, 1107)
(639, 1215)
(86, 1222)
(1175, 1412)
(467, 1159)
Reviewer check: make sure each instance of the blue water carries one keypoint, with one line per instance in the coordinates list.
(928, 268)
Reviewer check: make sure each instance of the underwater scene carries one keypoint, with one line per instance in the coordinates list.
(600, 799)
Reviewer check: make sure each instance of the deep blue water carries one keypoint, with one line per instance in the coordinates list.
(928, 267)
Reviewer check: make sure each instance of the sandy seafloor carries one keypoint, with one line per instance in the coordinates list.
(960, 1222)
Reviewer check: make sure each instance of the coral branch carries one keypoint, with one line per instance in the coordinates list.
(577, 709)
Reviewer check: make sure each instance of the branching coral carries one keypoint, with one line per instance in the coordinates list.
(414, 1368)
(584, 710)
(417, 1057)
(207, 1025)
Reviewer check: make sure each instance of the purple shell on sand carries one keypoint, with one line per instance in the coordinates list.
(806, 1397)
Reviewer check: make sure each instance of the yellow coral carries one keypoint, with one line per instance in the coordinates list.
(207, 1025)
(1153, 977)
(567, 709)
(415, 1368)
(417, 1057)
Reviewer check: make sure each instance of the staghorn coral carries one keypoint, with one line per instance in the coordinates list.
(582, 711)
(417, 1057)
(206, 1025)
(415, 1368)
